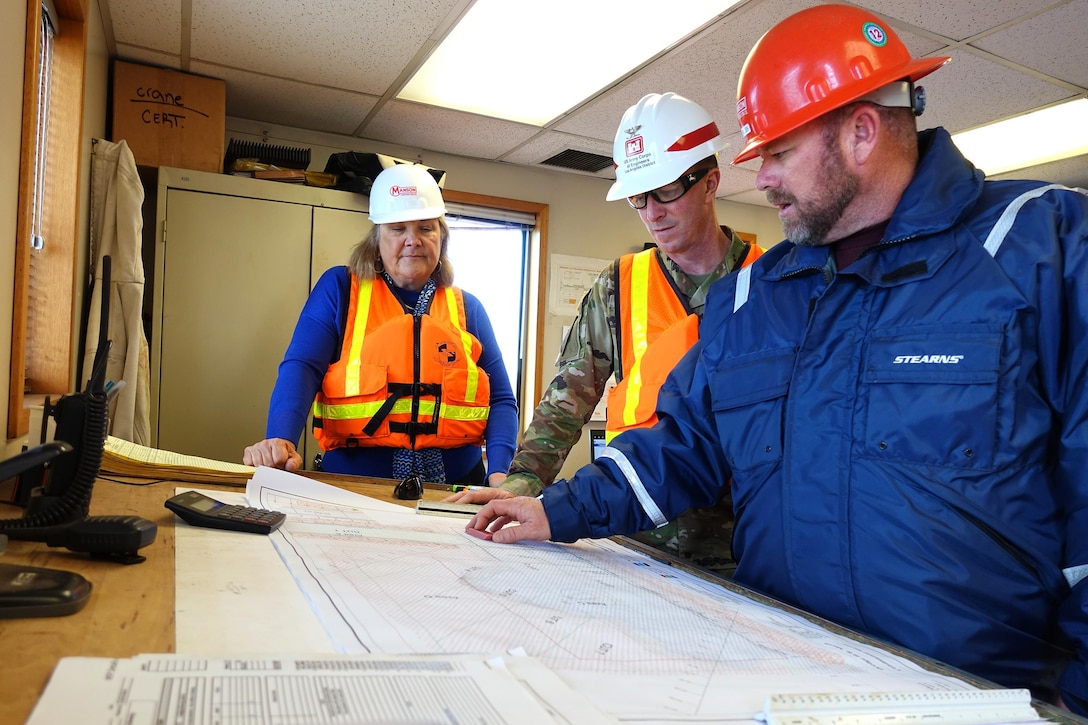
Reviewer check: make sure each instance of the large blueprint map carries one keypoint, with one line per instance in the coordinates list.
(643, 640)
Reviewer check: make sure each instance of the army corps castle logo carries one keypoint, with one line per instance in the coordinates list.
(634, 145)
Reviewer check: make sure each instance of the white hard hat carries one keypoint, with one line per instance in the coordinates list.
(405, 193)
(659, 138)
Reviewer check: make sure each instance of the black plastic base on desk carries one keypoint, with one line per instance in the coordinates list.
(27, 591)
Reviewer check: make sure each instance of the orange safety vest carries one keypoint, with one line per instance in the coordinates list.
(374, 394)
(656, 329)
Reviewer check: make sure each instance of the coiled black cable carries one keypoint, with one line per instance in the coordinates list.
(75, 501)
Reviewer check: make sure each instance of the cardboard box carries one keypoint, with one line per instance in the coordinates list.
(169, 118)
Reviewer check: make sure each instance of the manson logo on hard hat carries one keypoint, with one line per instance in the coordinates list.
(402, 191)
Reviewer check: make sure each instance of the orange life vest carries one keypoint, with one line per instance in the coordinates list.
(374, 395)
(656, 329)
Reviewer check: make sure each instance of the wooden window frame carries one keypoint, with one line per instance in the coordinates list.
(47, 333)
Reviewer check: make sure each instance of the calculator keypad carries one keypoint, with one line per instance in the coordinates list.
(226, 516)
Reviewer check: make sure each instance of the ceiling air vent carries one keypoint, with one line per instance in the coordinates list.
(579, 161)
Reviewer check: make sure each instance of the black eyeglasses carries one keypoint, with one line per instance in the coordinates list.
(410, 489)
(669, 192)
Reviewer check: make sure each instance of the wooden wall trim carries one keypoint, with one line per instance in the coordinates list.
(43, 319)
(32, 58)
(72, 9)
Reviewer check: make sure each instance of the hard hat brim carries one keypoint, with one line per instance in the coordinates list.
(914, 71)
(414, 215)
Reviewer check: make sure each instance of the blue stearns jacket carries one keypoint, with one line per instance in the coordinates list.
(908, 441)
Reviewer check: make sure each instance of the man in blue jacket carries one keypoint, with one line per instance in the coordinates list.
(909, 451)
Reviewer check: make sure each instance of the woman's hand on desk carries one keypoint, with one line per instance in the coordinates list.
(274, 453)
(527, 512)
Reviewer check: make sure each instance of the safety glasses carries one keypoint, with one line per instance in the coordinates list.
(669, 192)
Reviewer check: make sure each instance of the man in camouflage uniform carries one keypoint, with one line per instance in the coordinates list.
(674, 195)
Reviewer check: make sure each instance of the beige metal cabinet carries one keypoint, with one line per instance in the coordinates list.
(235, 259)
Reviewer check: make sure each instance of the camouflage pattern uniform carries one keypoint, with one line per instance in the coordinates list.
(590, 355)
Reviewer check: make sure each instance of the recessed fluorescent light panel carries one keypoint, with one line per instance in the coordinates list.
(1049, 134)
(531, 62)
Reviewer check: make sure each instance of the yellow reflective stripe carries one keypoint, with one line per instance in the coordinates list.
(640, 295)
(352, 411)
(473, 381)
(362, 312)
(463, 412)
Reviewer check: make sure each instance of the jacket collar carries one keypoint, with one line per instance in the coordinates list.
(944, 189)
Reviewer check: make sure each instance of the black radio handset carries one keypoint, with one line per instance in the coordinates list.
(116, 538)
(56, 512)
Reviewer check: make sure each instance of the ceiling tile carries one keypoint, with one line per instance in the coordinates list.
(956, 20)
(150, 24)
(734, 142)
(137, 54)
(440, 129)
(1054, 43)
(324, 65)
(738, 180)
(995, 91)
(705, 70)
(289, 103)
(548, 143)
(358, 46)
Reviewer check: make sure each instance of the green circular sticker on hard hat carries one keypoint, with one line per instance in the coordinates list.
(875, 34)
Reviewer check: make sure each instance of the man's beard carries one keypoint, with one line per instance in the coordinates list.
(815, 218)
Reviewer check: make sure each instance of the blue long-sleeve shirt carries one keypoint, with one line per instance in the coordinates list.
(316, 343)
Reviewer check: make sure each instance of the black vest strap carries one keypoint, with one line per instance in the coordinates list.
(407, 390)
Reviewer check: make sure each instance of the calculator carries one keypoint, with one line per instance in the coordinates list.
(200, 510)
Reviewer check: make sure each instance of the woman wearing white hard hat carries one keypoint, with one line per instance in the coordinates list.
(401, 368)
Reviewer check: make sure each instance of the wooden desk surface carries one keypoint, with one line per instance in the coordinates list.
(131, 607)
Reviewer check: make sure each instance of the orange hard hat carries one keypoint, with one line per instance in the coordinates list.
(815, 61)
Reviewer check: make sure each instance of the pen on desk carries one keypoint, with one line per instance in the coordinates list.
(455, 489)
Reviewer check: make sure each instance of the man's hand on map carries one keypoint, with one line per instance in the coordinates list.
(527, 512)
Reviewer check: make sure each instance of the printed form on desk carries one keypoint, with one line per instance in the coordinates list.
(154, 689)
(640, 640)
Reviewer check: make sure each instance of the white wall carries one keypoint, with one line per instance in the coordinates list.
(12, 44)
(581, 222)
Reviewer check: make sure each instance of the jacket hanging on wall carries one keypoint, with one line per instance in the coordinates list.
(117, 230)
